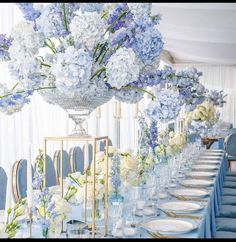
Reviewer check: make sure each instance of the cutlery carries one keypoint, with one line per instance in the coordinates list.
(158, 235)
(182, 198)
(174, 215)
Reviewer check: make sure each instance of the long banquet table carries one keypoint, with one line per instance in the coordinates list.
(207, 224)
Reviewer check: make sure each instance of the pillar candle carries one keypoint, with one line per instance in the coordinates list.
(135, 110)
(9, 192)
(118, 109)
(29, 179)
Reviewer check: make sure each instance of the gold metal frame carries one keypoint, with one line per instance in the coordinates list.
(14, 180)
(94, 141)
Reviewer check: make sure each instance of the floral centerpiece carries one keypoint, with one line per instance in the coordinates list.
(79, 55)
(202, 118)
(49, 209)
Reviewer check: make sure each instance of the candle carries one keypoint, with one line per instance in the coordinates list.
(9, 192)
(86, 154)
(29, 179)
(98, 112)
(135, 110)
(118, 109)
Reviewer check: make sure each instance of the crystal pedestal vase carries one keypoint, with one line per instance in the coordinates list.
(77, 106)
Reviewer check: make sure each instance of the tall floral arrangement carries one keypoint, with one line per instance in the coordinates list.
(81, 50)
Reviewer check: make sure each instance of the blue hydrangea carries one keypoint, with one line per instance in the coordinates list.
(165, 107)
(153, 133)
(148, 45)
(217, 97)
(28, 10)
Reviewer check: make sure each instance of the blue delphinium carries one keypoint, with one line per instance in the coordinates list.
(28, 10)
(43, 199)
(143, 147)
(115, 173)
(5, 43)
(14, 102)
(217, 97)
(153, 133)
(119, 17)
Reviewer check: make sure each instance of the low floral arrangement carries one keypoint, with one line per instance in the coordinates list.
(75, 182)
(10, 229)
(49, 209)
(202, 118)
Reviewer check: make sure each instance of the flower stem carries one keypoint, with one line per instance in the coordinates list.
(138, 88)
(65, 18)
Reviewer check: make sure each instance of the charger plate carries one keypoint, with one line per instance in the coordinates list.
(196, 183)
(167, 226)
(190, 192)
(204, 167)
(181, 207)
(200, 174)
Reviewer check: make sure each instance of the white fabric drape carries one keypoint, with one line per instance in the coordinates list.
(219, 77)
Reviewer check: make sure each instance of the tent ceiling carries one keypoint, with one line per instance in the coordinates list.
(198, 32)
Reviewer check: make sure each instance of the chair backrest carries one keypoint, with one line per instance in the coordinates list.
(230, 144)
(3, 188)
(50, 172)
(233, 130)
(19, 177)
(66, 164)
(76, 159)
(102, 144)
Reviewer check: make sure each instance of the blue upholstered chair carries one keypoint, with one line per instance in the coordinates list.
(90, 152)
(231, 173)
(226, 224)
(50, 172)
(229, 191)
(228, 211)
(230, 178)
(224, 235)
(228, 200)
(66, 165)
(76, 159)
(19, 177)
(230, 184)
(3, 188)
(102, 144)
(230, 148)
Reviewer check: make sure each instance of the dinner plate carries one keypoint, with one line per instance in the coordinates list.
(181, 207)
(211, 155)
(190, 192)
(200, 174)
(169, 226)
(204, 161)
(204, 167)
(196, 183)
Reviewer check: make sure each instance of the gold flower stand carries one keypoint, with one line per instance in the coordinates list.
(93, 141)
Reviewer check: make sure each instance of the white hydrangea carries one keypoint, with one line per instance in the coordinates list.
(26, 41)
(87, 28)
(139, 9)
(72, 69)
(122, 68)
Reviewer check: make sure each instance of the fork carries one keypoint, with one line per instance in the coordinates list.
(190, 199)
(174, 215)
(158, 235)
